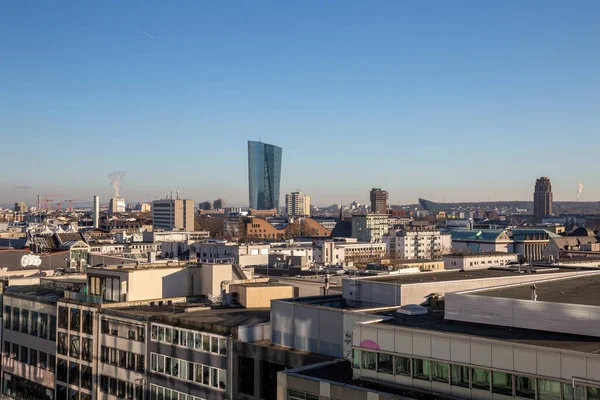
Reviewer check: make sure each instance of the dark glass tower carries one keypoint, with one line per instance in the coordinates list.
(264, 175)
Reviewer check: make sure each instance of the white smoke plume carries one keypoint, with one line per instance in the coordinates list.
(115, 181)
(579, 189)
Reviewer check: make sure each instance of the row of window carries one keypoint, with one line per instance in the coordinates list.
(74, 346)
(64, 393)
(162, 393)
(313, 345)
(189, 371)
(30, 322)
(74, 374)
(498, 382)
(124, 359)
(134, 332)
(298, 395)
(189, 339)
(30, 356)
(121, 389)
(76, 320)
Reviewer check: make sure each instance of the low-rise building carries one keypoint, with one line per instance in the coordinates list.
(415, 243)
(469, 261)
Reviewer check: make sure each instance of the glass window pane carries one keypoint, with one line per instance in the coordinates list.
(525, 387)
(548, 390)
(223, 347)
(385, 363)
(593, 393)
(421, 369)
(369, 360)
(402, 365)
(569, 393)
(356, 358)
(440, 372)
(502, 383)
(481, 379)
(459, 375)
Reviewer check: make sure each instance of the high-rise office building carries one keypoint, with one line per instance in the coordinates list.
(173, 214)
(542, 198)
(219, 204)
(297, 204)
(264, 175)
(379, 201)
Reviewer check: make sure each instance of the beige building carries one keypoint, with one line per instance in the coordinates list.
(369, 227)
(478, 260)
(260, 294)
(297, 204)
(173, 214)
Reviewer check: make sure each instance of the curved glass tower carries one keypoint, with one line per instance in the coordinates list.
(264, 175)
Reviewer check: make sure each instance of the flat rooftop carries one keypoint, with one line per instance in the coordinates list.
(435, 322)
(34, 292)
(584, 290)
(455, 275)
(197, 316)
(482, 255)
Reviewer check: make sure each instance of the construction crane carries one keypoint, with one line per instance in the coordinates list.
(71, 203)
(46, 200)
(58, 204)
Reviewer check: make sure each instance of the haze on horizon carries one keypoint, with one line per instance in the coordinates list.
(448, 101)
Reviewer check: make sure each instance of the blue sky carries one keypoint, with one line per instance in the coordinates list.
(461, 100)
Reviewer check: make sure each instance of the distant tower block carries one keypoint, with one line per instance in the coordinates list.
(96, 211)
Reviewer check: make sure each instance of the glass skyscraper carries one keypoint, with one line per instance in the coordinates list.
(264, 175)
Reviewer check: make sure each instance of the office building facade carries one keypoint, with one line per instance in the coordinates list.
(542, 198)
(264, 175)
(173, 214)
(297, 204)
(369, 227)
(379, 200)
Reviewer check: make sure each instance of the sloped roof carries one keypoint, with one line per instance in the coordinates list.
(479, 234)
(582, 232)
(573, 242)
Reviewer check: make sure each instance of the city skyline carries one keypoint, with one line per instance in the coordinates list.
(472, 103)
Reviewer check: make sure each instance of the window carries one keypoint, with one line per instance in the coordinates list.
(206, 375)
(112, 385)
(154, 332)
(88, 322)
(141, 334)
(14, 354)
(104, 354)
(25, 321)
(153, 362)
(120, 388)
(113, 356)
(75, 319)
(104, 383)
(104, 327)
(190, 368)
(198, 374)
(569, 393)
(214, 344)
(43, 360)
(161, 364)
(34, 324)
(16, 318)
(74, 374)
(141, 362)
(61, 370)
(222, 379)
(122, 358)
(130, 361)
(355, 359)
(33, 357)
(525, 387)
(168, 338)
(460, 375)
(175, 367)
(183, 372)
(161, 333)
(129, 390)
(223, 346)
(86, 377)
(502, 383)
(548, 390)
(480, 379)
(421, 369)
(190, 339)
(63, 317)
(51, 363)
(86, 349)
(183, 340)
(52, 330)
(23, 354)
(43, 325)
(385, 363)
(214, 377)
(440, 372)
(168, 365)
(369, 360)
(7, 317)
(74, 348)
(6, 351)
(205, 342)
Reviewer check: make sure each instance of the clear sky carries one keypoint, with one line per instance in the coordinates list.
(447, 100)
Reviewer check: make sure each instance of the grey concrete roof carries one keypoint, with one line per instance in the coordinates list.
(579, 290)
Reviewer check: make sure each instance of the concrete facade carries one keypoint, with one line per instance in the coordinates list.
(170, 214)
